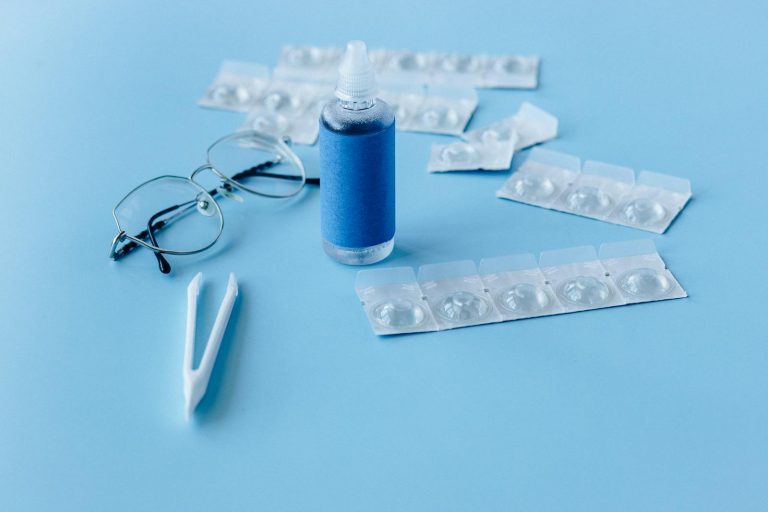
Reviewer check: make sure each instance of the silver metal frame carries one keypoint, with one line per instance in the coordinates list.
(264, 141)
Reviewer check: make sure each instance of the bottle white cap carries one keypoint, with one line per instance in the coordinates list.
(357, 78)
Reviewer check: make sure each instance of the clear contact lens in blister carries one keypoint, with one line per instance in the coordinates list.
(599, 190)
(530, 125)
(653, 203)
(470, 156)
(402, 66)
(596, 190)
(236, 86)
(458, 68)
(445, 110)
(405, 102)
(394, 301)
(542, 178)
(639, 272)
(518, 287)
(456, 295)
(308, 63)
(511, 71)
(579, 279)
(289, 109)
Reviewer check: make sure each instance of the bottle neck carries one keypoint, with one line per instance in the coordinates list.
(357, 105)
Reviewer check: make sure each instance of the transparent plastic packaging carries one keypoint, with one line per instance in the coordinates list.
(406, 66)
(472, 156)
(456, 294)
(393, 301)
(492, 147)
(579, 279)
(289, 109)
(236, 86)
(434, 109)
(597, 190)
(275, 107)
(530, 124)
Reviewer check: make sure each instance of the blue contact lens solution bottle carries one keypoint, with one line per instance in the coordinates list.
(357, 166)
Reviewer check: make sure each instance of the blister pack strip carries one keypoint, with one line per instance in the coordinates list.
(433, 109)
(405, 66)
(611, 193)
(292, 108)
(492, 147)
(460, 294)
(276, 107)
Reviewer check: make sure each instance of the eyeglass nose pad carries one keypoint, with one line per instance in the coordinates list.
(226, 191)
(287, 140)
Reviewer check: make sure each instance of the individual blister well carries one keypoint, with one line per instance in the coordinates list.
(444, 110)
(289, 109)
(598, 190)
(302, 62)
(402, 66)
(506, 288)
(470, 156)
(579, 279)
(511, 71)
(237, 86)
(530, 124)
(653, 203)
(542, 179)
(518, 287)
(639, 272)
(456, 295)
(405, 103)
(393, 301)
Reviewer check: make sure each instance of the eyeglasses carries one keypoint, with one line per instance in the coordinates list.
(249, 161)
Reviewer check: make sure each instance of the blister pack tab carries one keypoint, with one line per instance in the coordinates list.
(607, 192)
(406, 66)
(237, 86)
(457, 294)
(492, 147)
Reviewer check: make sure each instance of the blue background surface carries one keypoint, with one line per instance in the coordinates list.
(650, 407)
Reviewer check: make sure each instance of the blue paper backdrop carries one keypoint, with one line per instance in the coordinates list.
(650, 407)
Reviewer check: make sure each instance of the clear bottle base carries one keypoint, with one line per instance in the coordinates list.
(359, 255)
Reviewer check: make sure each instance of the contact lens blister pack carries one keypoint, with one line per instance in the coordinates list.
(393, 301)
(518, 287)
(236, 86)
(433, 109)
(490, 155)
(649, 201)
(309, 63)
(405, 66)
(579, 280)
(457, 294)
(639, 272)
(531, 124)
(290, 109)
(492, 147)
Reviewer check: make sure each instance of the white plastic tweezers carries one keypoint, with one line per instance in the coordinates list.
(196, 380)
